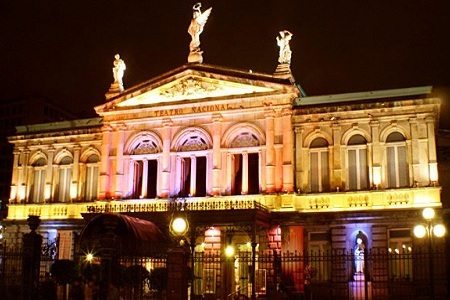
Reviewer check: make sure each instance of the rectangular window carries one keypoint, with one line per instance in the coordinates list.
(65, 246)
(38, 185)
(357, 169)
(65, 175)
(91, 182)
(319, 178)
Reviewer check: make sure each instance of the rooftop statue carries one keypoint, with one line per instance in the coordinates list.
(118, 70)
(195, 29)
(285, 49)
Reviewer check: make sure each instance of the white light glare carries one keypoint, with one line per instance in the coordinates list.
(428, 213)
(439, 230)
(419, 231)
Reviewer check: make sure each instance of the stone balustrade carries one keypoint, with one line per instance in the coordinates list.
(321, 202)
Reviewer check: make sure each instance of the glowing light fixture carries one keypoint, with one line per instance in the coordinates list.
(439, 230)
(229, 251)
(428, 213)
(179, 226)
(419, 231)
(89, 257)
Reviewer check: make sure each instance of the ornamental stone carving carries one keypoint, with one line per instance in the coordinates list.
(146, 147)
(188, 87)
(245, 140)
(193, 144)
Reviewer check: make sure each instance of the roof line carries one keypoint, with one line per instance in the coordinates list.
(347, 97)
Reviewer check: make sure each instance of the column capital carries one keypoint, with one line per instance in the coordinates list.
(286, 112)
(298, 130)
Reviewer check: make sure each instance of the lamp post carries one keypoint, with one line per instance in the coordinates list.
(431, 230)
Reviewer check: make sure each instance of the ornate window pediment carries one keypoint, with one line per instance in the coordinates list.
(246, 139)
(193, 143)
(146, 147)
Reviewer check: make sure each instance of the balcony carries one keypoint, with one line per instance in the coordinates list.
(306, 203)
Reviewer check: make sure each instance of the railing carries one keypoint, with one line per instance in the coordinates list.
(320, 202)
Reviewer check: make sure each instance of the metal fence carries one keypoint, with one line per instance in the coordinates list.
(401, 274)
(334, 274)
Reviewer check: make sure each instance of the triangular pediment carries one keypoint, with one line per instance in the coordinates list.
(197, 83)
(191, 87)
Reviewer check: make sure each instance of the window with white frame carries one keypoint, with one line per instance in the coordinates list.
(318, 166)
(397, 166)
(38, 180)
(91, 177)
(400, 254)
(65, 178)
(357, 167)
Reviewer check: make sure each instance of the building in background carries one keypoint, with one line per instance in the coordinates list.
(23, 111)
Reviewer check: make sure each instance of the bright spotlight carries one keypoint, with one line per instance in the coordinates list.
(420, 231)
(179, 226)
(439, 230)
(428, 213)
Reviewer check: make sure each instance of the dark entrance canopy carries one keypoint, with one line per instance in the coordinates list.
(117, 234)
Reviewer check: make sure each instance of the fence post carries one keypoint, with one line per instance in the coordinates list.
(177, 273)
(31, 259)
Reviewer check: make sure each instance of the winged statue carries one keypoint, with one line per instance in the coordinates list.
(198, 22)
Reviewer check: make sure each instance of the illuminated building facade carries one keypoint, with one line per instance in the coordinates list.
(236, 147)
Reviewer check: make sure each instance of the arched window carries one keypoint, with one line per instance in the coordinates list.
(245, 166)
(91, 177)
(65, 178)
(192, 163)
(357, 167)
(397, 166)
(318, 166)
(38, 187)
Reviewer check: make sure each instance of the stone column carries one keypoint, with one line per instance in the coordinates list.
(49, 175)
(75, 173)
(193, 183)
(24, 182)
(298, 157)
(432, 157)
(217, 159)
(229, 173)
(270, 151)
(244, 189)
(336, 179)
(165, 162)
(14, 178)
(377, 153)
(144, 178)
(104, 191)
(288, 171)
(118, 175)
(415, 157)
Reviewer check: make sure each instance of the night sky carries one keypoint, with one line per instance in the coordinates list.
(63, 50)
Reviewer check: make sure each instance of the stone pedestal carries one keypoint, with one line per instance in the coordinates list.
(195, 57)
(177, 273)
(31, 259)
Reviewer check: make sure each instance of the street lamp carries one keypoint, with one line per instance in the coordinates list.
(430, 230)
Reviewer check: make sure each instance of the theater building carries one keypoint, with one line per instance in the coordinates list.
(248, 159)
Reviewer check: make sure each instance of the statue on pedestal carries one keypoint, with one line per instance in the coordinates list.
(359, 256)
(195, 29)
(285, 49)
(118, 70)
